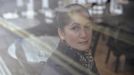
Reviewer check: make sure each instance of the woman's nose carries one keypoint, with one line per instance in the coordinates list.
(83, 33)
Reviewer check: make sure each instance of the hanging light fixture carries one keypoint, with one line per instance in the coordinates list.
(115, 8)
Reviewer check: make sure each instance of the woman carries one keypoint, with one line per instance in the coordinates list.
(73, 55)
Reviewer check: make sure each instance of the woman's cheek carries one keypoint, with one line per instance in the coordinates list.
(72, 37)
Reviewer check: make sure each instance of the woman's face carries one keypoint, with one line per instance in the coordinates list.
(77, 34)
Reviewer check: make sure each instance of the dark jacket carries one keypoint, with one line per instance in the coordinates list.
(56, 65)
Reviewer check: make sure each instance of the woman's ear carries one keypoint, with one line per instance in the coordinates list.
(61, 34)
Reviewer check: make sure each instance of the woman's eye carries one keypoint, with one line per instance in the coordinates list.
(87, 27)
(75, 28)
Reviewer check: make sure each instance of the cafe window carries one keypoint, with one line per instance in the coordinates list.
(30, 35)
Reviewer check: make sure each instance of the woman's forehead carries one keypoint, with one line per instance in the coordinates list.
(79, 18)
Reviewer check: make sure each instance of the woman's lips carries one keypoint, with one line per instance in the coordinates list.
(83, 42)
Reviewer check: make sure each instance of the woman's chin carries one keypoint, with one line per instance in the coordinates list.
(83, 48)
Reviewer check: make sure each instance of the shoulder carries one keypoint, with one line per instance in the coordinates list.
(49, 70)
(54, 66)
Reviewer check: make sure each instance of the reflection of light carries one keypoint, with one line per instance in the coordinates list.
(30, 10)
(99, 7)
(45, 3)
(3, 68)
(10, 15)
(49, 14)
(90, 11)
(117, 11)
(73, 1)
(49, 21)
(91, 1)
(30, 14)
(11, 51)
(97, 10)
(20, 3)
(82, 1)
(123, 1)
(101, 1)
(116, 8)
(97, 1)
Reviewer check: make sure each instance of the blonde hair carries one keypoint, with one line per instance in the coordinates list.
(62, 17)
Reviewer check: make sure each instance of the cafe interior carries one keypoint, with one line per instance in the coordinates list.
(113, 33)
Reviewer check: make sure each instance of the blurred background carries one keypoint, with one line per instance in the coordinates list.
(30, 25)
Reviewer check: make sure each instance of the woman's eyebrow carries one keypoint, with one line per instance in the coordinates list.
(75, 24)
